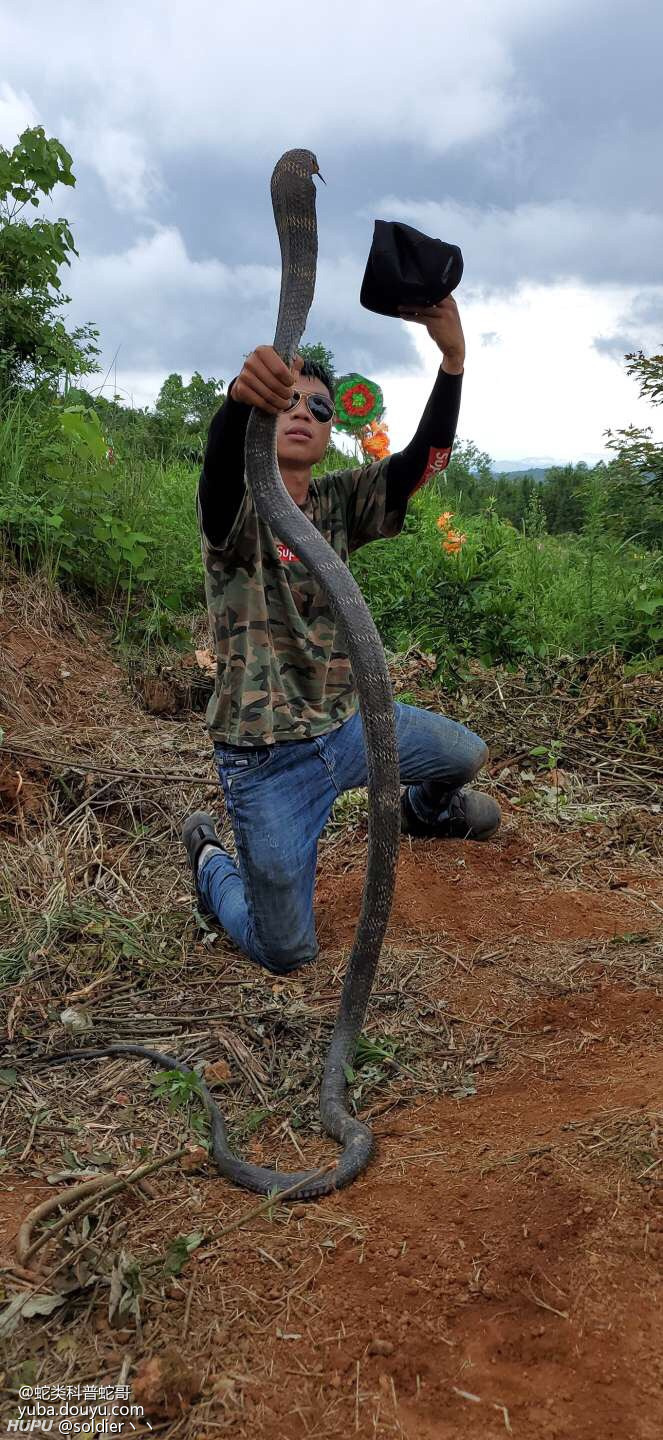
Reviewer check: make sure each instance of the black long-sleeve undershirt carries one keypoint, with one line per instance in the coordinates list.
(221, 487)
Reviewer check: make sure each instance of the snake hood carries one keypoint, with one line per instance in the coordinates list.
(293, 203)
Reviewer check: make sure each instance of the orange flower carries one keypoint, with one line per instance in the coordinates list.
(454, 542)
(442, 521)
(374, 440)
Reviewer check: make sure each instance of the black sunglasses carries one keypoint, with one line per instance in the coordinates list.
(319, 406)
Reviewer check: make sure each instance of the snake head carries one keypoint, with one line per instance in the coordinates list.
(295, 165)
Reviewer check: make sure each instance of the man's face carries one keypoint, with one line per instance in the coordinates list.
(299, 437)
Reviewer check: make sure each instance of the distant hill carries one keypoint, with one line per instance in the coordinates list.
(538, 465)
(532, 465)
(537, 472)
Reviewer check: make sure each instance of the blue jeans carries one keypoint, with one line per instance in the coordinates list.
(279, 798)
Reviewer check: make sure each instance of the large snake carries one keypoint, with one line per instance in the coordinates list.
(293, 199)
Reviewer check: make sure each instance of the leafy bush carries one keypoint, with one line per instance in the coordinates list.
(124, 530)
(91, 519)
(507, 594)
(33, 339)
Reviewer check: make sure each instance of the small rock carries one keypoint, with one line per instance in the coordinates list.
(75, 1018)
(217, 1074)
(206, 661)
(225, 1388)
(194, 1159)
(165, 1386)
(380, 1347)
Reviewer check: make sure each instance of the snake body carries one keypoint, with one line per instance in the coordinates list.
(293, 199)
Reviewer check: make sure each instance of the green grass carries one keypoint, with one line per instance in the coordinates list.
(509, 596)
(85, 940)
(114, 530)
(126, 534)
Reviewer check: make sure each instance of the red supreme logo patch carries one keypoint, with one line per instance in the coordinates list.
(285, 553)
(438, 459)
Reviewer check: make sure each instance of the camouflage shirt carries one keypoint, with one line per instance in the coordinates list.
(282, 670)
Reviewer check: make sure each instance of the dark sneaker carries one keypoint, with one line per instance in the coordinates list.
(197, 831)
(470, 815)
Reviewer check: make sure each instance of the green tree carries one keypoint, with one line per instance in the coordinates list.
(202, 400)
(561, 493)
(507, 499)
(320, 355)
(469, 475)
(635, 476)
(648, 370)
(34, 342)
(170, 402)
(129, 431)
(184, 412)
(527, 490)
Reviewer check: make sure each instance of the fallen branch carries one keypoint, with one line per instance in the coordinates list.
(92, 1191)
(101, 1189)
(97, 769)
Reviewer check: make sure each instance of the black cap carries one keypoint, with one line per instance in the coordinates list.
(408, 268)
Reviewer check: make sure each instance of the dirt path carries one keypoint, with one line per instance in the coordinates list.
(498, 1269)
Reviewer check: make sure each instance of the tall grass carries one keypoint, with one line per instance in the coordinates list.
(126, 533)
(509, 594)
(111, 526)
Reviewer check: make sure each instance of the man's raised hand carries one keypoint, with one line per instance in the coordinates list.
(443, 325)
(265, 381)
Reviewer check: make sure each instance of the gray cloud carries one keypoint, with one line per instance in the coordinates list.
(17, 112)
(597, 132)
(641, 328)
(614, 346)
(558, 240)
(524, 133)
(210, 78)
(166, 309)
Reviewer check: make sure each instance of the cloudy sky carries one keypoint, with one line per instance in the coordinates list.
(530, 132)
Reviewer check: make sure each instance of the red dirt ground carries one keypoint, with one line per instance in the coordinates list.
(498, 1269)
(485, 1277)
(475, 893)
(50, 676)
(478, 1257)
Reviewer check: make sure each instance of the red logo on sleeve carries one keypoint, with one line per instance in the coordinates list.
(438, 459)
(285, 554)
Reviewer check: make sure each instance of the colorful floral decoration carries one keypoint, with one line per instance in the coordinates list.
(357, 401)
(374, 440)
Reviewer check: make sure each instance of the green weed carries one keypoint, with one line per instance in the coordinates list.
(509, 596)
(179, 1087)
(372, 1062)
(182, 1090)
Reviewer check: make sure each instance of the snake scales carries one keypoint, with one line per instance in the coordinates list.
(293, 199)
